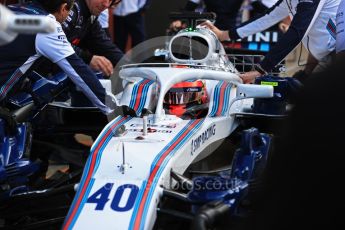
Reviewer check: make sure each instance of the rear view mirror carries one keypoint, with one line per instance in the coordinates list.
(252, 91)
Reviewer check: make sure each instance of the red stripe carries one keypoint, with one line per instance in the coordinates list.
(221, 99)
(9, 83)
(331, 27)
(140, 90)
(94, 157)
(154, 172)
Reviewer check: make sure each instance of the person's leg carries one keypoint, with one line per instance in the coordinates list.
(120, 32)
(136, 28)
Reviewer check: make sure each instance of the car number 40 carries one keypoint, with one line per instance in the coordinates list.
(101, 197)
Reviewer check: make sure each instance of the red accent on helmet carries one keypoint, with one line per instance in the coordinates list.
(187, 84)
(180, 66)
(177, 110)
(187, 99)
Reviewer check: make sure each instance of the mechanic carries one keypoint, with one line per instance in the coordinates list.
(226, 12)
(19, 57)
(313, 23)
(340, 47)
(89, 40)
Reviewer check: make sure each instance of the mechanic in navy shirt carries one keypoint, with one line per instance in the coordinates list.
(89, 40)
(313, 23)
(19, 57)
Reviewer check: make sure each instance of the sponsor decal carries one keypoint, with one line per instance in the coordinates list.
(62, 38)
(171, 126)
(150, 130)
(193, 89)
(269, 83)
(69, 19)
(203, 137)
(101, 197)
(267, 36)
(331, 28)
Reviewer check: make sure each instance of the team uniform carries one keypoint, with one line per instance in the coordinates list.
(25, 52)
(226, 11)
(87, 36)
(313, 23)
(341, 28)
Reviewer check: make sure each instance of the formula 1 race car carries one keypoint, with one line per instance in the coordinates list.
(158, 153)
(179, 154)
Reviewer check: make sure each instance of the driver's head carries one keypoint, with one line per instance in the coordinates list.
(187, 100)
(97, 6)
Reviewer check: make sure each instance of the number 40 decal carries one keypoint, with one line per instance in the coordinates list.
(101, 197)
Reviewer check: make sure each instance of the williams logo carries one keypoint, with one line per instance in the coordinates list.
(203, 137)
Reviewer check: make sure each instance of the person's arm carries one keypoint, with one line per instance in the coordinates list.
(273, 15)
(56, 48)
(86, 80)
(306, 14)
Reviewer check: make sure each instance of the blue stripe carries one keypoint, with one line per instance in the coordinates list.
(162, 167)
(143, 97)
(83, 201)
(137, 203)
(226, 99)
(134, 93)
(216, 99)
(87, 168)
(98, 160)
(135, 211)
(9, 85)
(104, 132)
(170, 143)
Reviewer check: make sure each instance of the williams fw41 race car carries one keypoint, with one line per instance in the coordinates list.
(168, 162)
(187, 147)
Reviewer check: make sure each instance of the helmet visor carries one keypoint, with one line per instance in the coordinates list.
(179, 96)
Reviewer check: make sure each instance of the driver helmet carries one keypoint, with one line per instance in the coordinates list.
(187, 100)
